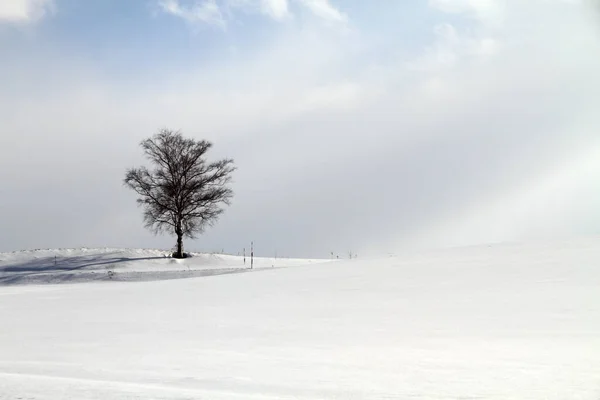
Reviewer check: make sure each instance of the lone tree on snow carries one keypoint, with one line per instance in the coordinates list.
(183, 193)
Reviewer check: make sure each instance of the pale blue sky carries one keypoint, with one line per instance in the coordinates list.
(356, 125)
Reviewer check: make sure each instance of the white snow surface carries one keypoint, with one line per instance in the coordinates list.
(500, 322)
(84, 265)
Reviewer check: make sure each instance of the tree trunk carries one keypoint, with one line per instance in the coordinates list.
(179, 232)
(179, 253)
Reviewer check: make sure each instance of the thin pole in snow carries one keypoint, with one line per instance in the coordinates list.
(251, 255)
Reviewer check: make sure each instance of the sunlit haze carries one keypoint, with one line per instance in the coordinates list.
(364, 126)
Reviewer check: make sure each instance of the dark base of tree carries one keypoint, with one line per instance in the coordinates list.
(184, 255)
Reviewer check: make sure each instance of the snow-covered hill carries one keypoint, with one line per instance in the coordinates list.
(494, 323)
(84, 265)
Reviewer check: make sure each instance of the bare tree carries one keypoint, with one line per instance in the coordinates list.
(184, 193)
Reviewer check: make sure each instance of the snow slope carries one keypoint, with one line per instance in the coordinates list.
(501, 322)
(83, 265)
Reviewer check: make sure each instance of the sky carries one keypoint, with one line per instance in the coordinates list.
(356, 126)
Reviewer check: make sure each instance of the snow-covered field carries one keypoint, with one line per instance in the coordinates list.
(500, 322)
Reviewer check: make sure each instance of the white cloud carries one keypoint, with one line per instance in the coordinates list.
(488, 27)
(324, 9)
(216, 12)
(277, 9)
(452, 47)
(23, 11)
(207, 11)
(486, 11)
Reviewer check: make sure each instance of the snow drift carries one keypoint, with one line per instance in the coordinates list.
(84, 265)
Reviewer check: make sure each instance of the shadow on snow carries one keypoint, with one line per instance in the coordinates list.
(61, 269)
(77, 269)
